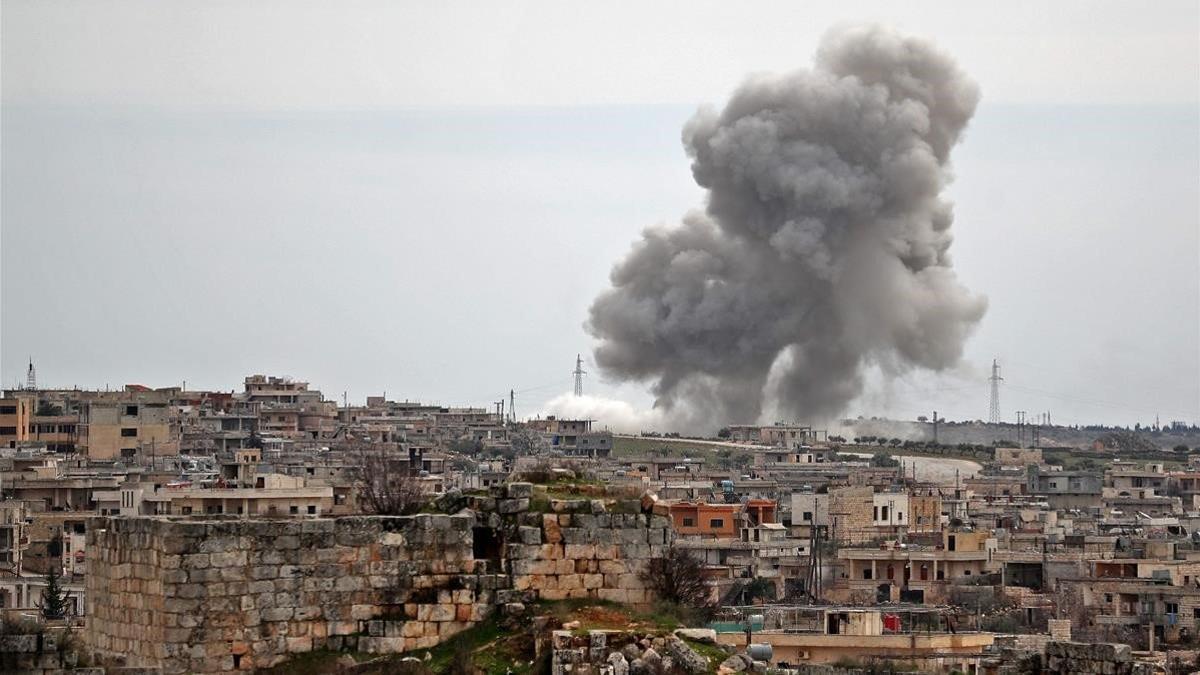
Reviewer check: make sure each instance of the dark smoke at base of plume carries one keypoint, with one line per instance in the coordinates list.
(823, 248)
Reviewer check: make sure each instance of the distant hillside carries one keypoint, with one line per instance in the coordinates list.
(982, 433)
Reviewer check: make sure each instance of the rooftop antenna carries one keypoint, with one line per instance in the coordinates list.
(578, 373)
(31, 376)
(994, 411)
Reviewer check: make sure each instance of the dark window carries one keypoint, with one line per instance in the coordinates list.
(131, 410)
(8, 431)
(716, 522)
(689, 522)
(8, 410)
(129, 432)
(312, 510)
(866, 572)
(808, 516)
(1172, 608)
(294, 509)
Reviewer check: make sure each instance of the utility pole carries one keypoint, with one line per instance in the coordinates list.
(994, 411)
(578, 373)
(935, 425)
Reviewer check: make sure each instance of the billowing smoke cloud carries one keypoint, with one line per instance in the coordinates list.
(607, 413)
(822, 250)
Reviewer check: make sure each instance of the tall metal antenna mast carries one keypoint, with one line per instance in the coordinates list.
(578, 373)
(994, 411)
(31, 376)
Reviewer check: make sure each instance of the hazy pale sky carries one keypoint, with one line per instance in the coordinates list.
(424, 198)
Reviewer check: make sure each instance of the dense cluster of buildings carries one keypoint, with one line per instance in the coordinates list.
(808, 543)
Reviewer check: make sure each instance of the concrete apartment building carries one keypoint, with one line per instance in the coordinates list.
(288, 408)
(779, 434)
(16, 416)
(826, 635)
(918, 574)
(1064, 489)
(121, 428)
(275, 495)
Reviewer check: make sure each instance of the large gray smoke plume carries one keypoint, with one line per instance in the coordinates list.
(823, 247)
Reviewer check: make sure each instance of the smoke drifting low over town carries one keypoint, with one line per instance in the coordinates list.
(823, 247)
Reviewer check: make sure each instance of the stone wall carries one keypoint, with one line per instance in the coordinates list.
(1066, 658)
(197, 596)
(216, 595)
(578, 550)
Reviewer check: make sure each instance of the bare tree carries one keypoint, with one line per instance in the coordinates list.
(678, 577)
(526, 441)
(387, 486)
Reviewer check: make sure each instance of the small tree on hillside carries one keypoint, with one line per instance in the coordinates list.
(678, 577)
(54, 598)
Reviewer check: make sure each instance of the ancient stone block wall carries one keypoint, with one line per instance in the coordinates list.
(579, 550)
(215, 595)
(1067, 658)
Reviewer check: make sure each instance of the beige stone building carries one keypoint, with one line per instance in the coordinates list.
(121, 428)
(16, 415)
(274, 495)
(919, 574)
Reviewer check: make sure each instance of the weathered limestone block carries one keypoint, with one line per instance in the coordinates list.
(519, 490)
(509, 506)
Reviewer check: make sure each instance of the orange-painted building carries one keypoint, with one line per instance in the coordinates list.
(713, 520)
(721, 521)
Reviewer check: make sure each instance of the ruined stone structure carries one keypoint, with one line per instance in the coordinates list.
(615, 652)
(215, 595)
(1069, 658)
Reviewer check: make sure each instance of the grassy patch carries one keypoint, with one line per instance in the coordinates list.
(603, 614)
(715, 655)
(488, 646)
